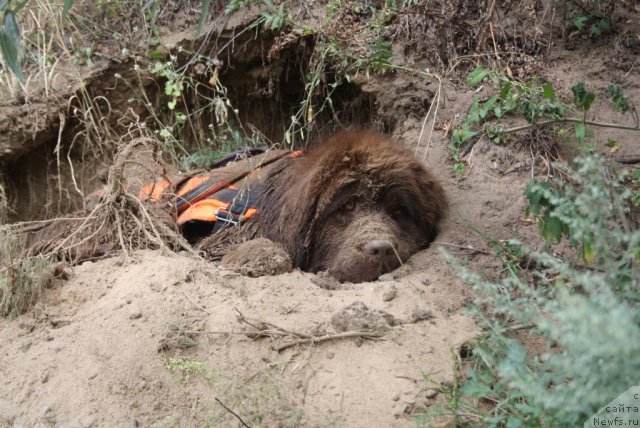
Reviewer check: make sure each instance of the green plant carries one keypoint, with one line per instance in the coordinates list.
(10, 39)
(584, 310)
(588, 16)
(194, 121)
(537, 103)
(256, 399)
(22, 279)
(276, 18)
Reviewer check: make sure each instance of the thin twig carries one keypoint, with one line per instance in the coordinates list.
(462, 247)
(518, 327)
(279, 330)
(627, 160)
(202, 308)
(232, 412)
(320, 339)
(571, 120)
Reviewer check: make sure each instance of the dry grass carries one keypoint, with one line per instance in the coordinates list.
(22, 279)
(120, 222)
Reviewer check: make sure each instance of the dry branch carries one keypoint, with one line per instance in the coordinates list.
(268, 329)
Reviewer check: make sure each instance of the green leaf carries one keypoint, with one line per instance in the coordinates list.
(462, 135)
(620, 101)
(591, 97)
(66, 8)
(486, 107)
(10, 44)
(11, 29)
(505, 90)
(581, 97)
(535, 195)
(548, 92)
(580, 22)
(203, 16)
(157, 55)
(551, 228)
(612, 145)
(588, 252)
(514, 422)
(580, 131)
(636, 175)
(477, 75)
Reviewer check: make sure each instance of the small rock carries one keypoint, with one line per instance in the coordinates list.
(326, 281)
(128, 301)
(59, 322)
(426, 281)
(25, 346)
(258, 257)
(357, 316)
(135, 315)
(26, 325)
(420, 315)
(395, 397)
(386, 277)
(389, 293)
(44, 377)
(88, 421)
(330, 355)
(87, 263)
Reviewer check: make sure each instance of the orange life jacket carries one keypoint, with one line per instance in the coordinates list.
(200, 198)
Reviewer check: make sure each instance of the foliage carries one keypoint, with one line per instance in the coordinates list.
(255, 399)
(210, 112)
(585, 311)
(588, 16)
(10, 39)
(538, 104)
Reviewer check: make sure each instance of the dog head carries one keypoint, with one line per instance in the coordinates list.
(357, 206)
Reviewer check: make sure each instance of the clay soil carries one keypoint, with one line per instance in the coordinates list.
(164, 339)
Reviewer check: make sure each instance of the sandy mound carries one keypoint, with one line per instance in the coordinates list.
(158, 339)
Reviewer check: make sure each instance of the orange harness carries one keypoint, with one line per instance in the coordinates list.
(201, 199)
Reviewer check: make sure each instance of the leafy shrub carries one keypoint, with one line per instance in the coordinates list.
(585, 309)
(536, 102)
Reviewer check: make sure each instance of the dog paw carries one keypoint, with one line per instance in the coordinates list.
(258, 257)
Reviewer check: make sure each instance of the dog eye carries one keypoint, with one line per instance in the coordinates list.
(399, 212)
(349, 206)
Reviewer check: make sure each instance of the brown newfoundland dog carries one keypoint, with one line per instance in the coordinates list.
(356, 206)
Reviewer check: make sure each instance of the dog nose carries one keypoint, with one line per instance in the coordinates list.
(379, 248)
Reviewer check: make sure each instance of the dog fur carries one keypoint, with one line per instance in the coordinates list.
(356, 206)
